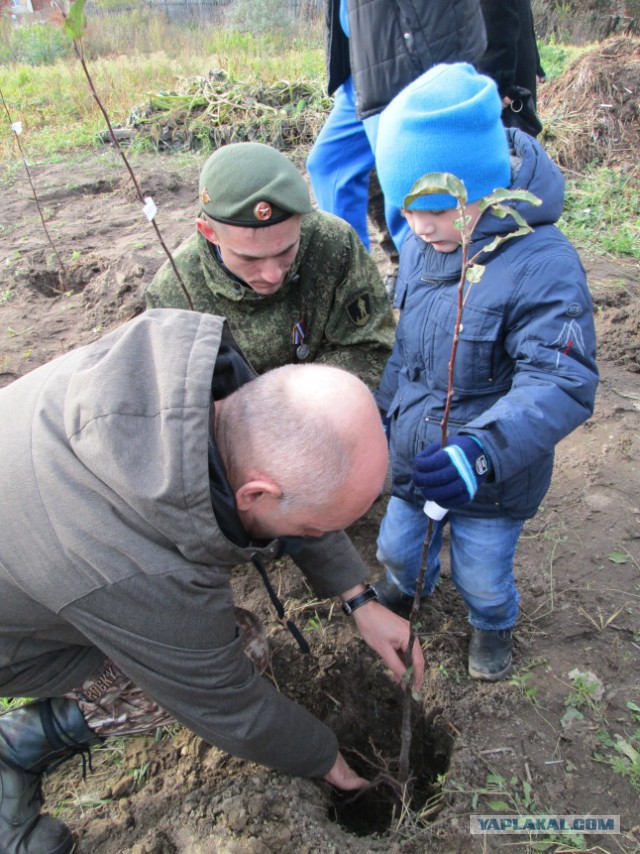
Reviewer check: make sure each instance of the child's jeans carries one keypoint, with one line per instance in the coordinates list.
(482, 553)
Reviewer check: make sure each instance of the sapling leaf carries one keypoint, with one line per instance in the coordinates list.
(502, 195)
(474, 273)
(503, 211)
(501, 238)
(435, 183)
(462, 223)
(498, 806)
(75, 21)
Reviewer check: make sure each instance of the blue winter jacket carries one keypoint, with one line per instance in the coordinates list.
(525, 373)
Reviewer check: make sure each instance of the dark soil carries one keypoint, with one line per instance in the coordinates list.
(578, 570)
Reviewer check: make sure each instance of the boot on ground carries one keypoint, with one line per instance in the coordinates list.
(490, 654)
(32, 739)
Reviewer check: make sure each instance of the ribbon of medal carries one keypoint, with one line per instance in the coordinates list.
(299, 333)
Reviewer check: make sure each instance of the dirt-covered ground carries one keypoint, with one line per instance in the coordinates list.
(545, 742)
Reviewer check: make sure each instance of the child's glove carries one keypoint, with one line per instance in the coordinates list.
(451, 475)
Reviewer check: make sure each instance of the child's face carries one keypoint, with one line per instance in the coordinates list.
(437, 228)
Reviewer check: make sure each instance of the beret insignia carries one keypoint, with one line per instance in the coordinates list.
(262, 211)
(204, 196)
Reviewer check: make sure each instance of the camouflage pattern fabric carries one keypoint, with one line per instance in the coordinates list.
(333, 287)
(112, 705)
(375, 210)
(254, 639)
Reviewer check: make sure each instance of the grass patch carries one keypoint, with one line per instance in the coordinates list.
(9, 703)
(59, 114)
(601, 212)
(556, 58)
(623, 751)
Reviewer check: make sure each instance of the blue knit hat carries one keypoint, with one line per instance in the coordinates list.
(447, 120)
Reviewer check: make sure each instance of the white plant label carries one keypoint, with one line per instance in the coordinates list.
(150, 209)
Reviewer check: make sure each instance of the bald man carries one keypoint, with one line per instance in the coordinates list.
(136, 472)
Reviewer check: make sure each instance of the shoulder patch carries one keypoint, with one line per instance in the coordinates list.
(359, 309)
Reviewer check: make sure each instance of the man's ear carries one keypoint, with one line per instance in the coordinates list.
(254, 490)
(206, 230)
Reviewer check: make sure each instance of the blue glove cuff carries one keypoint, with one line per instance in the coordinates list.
(452, 475)
(472, 471)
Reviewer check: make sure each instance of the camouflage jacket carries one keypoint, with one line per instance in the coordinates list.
(333, 288)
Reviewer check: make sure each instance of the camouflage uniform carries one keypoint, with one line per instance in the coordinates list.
(333, 287)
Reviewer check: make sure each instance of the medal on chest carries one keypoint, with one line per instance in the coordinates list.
(299, 334)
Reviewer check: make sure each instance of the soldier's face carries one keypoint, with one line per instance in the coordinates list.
(261, 257)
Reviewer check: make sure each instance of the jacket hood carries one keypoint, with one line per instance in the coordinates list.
(533, 170)
(137, 412)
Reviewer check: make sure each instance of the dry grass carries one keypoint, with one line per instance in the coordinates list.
(592, 113)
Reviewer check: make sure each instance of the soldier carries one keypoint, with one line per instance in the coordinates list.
(296, 285)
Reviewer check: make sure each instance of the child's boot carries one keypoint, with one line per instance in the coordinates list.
(490, 654)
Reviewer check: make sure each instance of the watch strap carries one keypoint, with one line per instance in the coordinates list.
(367, 595)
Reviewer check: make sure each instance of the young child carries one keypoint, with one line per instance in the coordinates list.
(525, 373)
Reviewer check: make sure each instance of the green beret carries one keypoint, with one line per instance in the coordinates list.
(252, 184)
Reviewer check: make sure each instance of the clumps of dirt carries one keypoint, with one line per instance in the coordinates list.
(591, 113)
(617, 317)
(215, 109)
(619, 336)
(41, 274)
(116, 294)
(160, 185)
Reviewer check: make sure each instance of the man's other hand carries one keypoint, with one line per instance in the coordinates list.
(342, 776)
(388, 635)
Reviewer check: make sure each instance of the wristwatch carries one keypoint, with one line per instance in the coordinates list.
(367, 595)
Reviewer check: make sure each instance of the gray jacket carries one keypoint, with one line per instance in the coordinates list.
(110, 544)
(393, 41)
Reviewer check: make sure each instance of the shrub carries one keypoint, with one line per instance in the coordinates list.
(38, 44)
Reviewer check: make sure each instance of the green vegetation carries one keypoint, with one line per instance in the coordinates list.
(620, 741)
(59, 114)
(171, 75)
(601, 212)
(34, 44)
(623, 751)
(8, 703)
(556, 58)
(513, 796)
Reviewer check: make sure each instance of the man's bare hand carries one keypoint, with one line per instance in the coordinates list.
(388, 635)
(342, 776)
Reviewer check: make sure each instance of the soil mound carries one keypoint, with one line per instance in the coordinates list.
(592, 112)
